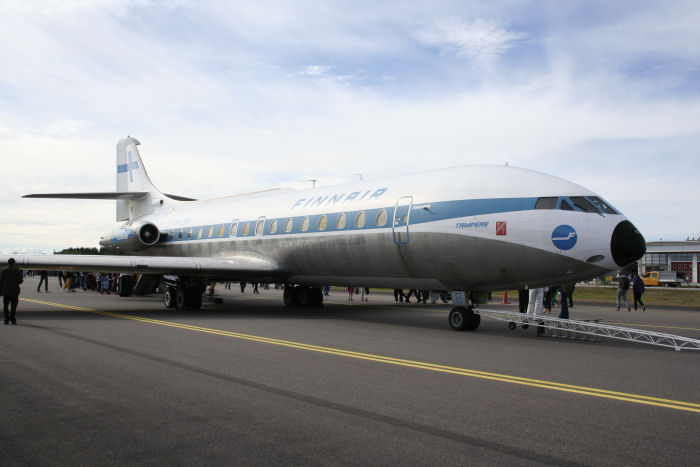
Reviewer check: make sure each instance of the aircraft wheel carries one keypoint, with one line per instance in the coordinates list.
(289, 296)
(180, 300)
(195, 298)
(458, 318)
(512, 326)
(317, 295)
(169, 297)
(476, 321)
(305, 296)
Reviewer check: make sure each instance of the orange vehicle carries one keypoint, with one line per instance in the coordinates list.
(661, 278)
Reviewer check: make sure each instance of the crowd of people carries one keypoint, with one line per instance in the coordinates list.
(72, 281)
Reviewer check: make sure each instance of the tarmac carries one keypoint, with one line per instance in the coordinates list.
(92, 379)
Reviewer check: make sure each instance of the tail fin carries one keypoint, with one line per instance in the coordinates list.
(132, 177)
(136, 196)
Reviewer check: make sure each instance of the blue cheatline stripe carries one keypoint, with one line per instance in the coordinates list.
(437, 211)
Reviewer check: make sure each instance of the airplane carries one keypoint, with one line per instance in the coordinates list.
(470, 228)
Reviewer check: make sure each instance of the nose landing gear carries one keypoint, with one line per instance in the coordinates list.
(464, 319)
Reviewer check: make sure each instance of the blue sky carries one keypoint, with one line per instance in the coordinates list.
(228, 98)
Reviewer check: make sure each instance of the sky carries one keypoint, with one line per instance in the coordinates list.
(230, 97)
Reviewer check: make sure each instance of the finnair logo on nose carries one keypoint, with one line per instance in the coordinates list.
(130, 166)
(564, 237)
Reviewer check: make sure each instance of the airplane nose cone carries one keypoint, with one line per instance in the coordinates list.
(627, 244)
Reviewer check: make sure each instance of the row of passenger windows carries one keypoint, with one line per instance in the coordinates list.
(575, 203)
(322, 224)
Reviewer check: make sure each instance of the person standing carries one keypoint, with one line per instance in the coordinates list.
(571, 295)
(43, 278)
(535, 302)
(10, 279)
(365, 293)
(637, 291)
(623, 285)
(523, 299)
(566, 290)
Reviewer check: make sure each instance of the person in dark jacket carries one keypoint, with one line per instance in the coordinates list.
(637, 291)
(10, 279)
(43, 278)
(566, 290)
(623, 285)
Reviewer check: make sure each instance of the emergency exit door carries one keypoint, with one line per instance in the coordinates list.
(401, 220)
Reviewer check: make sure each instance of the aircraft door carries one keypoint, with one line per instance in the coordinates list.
(401, 220)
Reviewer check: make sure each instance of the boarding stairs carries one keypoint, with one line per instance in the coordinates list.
(589, 330)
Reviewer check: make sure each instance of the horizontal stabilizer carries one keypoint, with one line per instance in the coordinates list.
(104, 195)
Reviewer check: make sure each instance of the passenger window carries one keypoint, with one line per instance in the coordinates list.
(234, 229)
(583, 204)
(289, 225)
(381, 218)
(549, 202)
(172, 234)
(260, 227)
(199, 232)
(305, 224)
(189, 233)
(322, 222)
(273, 226)
(565, 206)
(360, 220)
(211, 231)
(340, 223)
(222, 230)
(246, 228)
(179, 234)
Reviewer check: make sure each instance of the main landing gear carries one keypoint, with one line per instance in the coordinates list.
(302, 296)
(464, 319)
(183, 293)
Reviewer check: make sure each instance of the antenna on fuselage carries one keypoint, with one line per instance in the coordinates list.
(360, 175)
(313, 182)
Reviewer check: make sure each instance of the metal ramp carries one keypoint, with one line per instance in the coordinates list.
(573, 329)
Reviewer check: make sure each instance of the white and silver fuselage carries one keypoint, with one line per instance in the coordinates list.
(472, 228)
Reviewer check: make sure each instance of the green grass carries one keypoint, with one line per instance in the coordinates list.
(656, 297)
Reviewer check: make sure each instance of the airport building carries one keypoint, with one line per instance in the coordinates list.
(680, 256)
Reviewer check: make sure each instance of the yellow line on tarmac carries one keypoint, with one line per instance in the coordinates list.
(636, 398)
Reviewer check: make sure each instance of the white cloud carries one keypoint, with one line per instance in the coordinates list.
(229, 98)
(479, 40)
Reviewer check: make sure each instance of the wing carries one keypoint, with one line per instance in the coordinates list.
(239, 267)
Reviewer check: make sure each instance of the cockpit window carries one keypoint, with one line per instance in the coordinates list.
(583, 204)
(565, 206)
(602, 205)
(549, 202)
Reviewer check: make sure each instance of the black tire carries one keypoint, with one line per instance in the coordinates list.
(181, 300)
(512, 326)
(317, 295)
(195, 298)
(476, 321)
(289, 296)
(458, 318)
(305, 296)
(169, 297)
